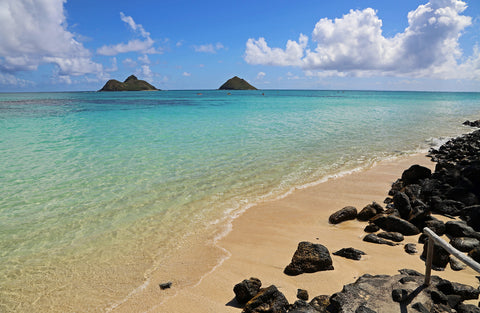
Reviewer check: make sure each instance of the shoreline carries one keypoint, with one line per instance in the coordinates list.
(263, 238)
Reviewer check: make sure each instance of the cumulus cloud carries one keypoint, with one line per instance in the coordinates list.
(34, 33)
(209, 48)
(260, 75)
(186, 74)
(144, 45)
(354, 45)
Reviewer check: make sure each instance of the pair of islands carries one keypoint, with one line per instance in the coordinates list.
(132, 83)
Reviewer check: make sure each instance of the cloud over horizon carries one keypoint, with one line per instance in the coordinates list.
(354, 45)
(33, 33)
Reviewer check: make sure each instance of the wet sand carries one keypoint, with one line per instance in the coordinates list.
(264, 238)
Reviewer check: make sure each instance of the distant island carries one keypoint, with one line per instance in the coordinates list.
(132, 83)
(236, 83)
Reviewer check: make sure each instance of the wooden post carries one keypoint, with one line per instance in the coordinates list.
(428, 263)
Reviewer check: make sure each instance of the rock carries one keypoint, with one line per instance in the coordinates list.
(400, 295)
(320, 303)
(413, 192)
(440, 256)
(247, 289)
(236, 83)
(438, 297)
(415, 173)
(467, 308)
(369, 211)
(350, 253)
(464, 244)
(456, 264)
(401, 203)
(452, 288)
(302, 294)
(447, 207)
(460, 229)
(420, 308)
(409, 272)
(407, 279)
(345, 214)
(164, 286)
(371, 228)
(393, 236)
(441, 308)
(472, 124)
(454, 300)
(437, 226)
(396, 224)
(364, 309)
(375, 239)
(130, 84)
(301, 306)
(475, 254)
(309, 258)
(267, 300)
(411, 248)
(471, 215)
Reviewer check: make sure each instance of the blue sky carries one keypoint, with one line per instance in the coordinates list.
(58, 45)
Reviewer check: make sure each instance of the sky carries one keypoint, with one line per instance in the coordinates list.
(77, 45)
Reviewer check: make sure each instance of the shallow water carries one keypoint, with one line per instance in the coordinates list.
(98, 188)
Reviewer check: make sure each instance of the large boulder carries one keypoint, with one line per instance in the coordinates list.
(471, 215)
(440, 256)
(460, 229)
(396, 224)
(436, 225)
(466, 292)
(309, 258)
(401, 203)
(369, 211)
(415, 173)
(269, 300)
(247, 289)
(464, 244)
(345, 214)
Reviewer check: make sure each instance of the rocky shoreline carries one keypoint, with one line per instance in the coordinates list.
(452, 190)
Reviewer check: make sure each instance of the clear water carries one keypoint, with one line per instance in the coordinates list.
(97, 188)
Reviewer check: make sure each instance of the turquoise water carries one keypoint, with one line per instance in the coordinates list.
(97, 188)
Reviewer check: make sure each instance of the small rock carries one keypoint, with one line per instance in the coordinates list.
(464, 244)
(345, 214)
(350, 253)
(453, 300)
(320, 303)
(371, 228)
(393, 236)
(247, 289)
(407, 279)
(401, 202)
(302, 294)
(438, 297)
(396, 224)
(309, 258)
(267, 300)
(375, 239)
(400, 295)
(452, 288)
(437, 226)
(164, 286)
(440, 256)
(364, 309)
(456, 264)
(467, 308)
(475, 254)
(420, 307)
(301, 306)
(460, 229)
(411, 248)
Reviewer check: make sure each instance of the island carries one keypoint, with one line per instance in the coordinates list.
(132, 83)
(236, 83)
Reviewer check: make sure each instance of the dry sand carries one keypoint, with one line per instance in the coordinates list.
(265, 237)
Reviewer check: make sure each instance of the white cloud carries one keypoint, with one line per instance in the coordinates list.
(144, 45)
(354, 45)
(9, 79)
(260, 75)
(114, 66)
(187, 74)
(34, 33)
(209, 48)
(145, 72)
(129, 62)
(144, 59)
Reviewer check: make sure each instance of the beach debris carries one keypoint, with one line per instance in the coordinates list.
(164, 286)
(302, 294)
(369, 211)
(247, 289)
(393, 236)
(375, 239)
(269, 299)
(411, 248)
(345, 214)
(350, 253)
(309, 258)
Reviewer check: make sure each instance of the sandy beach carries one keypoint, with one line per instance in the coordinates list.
(264, 238)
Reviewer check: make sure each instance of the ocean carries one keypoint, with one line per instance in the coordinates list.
(97, 190)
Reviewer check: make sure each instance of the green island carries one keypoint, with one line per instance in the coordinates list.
(132, 83)
(236, 83)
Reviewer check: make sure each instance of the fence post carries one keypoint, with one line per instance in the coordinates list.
(428, 263)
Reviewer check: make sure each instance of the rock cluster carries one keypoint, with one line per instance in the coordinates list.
(405, 292)
(472, 124)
